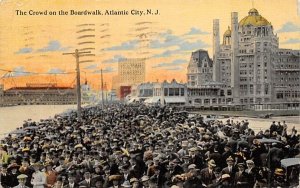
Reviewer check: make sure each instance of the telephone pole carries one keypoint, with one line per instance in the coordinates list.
(102, 94)
(77, 54)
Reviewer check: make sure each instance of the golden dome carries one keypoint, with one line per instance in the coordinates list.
(227, 32)
(254, 19)
(253, 11)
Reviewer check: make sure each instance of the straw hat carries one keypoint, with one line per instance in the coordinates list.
(22, 176)
(212, 163)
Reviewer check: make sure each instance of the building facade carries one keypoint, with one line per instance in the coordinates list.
(199, 69)
(156, 93)
(250, 64)
(202, 90)
(36, 94)
(130, 71)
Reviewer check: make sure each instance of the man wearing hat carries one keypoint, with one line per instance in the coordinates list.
(184, 149)
(134, 182)
(21, 180)
(4, 177)
(71, 182)
(279, 177)
(114, 181)
(241, 177)
(126, 184)
(126, 174)
(145, 181)
(13, 173)
(38, 179)
(230, 169)
(208, 176)
(87, 182)
(224, 181)
(196, 157)
(252, 172)
(25, 169)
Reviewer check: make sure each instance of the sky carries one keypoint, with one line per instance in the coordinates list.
(32, 46)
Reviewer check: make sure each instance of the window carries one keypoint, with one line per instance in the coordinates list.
(182, 91)
(176, 91)
(199, 101)
(222, 93)
(251, 89)
(206, 101)
(229, 92)
(166, 92)
(171, 92)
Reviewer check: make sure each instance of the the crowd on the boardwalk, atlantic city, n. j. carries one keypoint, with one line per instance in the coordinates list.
(147, 147)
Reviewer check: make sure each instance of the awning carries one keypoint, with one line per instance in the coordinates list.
(175, 99)
(152, 100)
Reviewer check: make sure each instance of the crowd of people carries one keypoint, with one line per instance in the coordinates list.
(145, 147)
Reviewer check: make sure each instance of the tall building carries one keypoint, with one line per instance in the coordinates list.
(199, 69)
(202, 91)
(250, 63)
(130, 71)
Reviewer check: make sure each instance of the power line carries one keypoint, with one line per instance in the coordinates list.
(33, 73)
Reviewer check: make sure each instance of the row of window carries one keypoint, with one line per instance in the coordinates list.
(173, 91)
(251, 100)
(287, 95)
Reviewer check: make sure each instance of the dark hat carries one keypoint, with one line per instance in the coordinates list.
(13, 166)
(114, 178)
(241, 165)
(229, 159)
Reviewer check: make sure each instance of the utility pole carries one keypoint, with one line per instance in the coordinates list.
(77, 54)
(102, 94)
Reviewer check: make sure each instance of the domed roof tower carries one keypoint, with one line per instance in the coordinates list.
(227, 36)
(254, 19)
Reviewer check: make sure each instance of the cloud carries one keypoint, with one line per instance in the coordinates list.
(115, 59)
(289, 27)
(291, 41)
(166, 53)
(20, 71)
(196, 31)
(181, 42)
(175, 62)
(179, 61)
(52, 46)
(105, 70)
(128, 45)
(167, 32)
(24, 51)
(91, 66)
(167, 40)
(55, 71)
(174, 68)
(192, 45)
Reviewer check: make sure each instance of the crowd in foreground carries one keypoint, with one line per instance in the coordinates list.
(145, 147)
